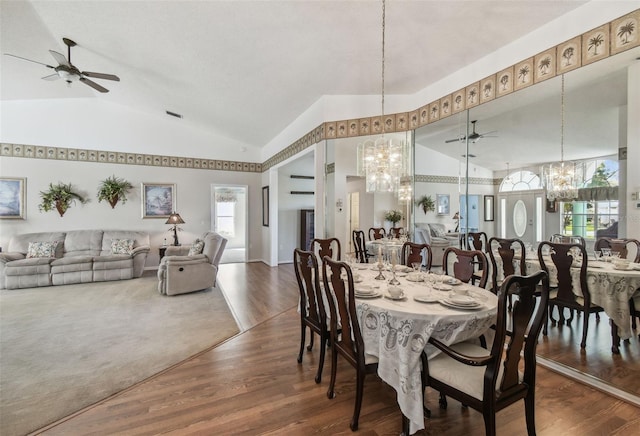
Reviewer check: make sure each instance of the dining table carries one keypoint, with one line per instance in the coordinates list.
(610, 287)
(397, 329)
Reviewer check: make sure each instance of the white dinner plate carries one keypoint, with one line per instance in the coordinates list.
(426, 298)
(442, 287)
(448, 303)
(366, 296)
(623, 268)
(596, 265)
(366, 289)
(414, 278)
(462, 300)
(453, 282)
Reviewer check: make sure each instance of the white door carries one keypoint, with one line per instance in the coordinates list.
(229, 218)
(520, 215)
(354, 217)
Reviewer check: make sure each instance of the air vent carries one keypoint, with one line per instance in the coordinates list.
(173, 114)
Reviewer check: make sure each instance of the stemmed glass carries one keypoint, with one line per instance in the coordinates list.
(380, 276)
(394, 264)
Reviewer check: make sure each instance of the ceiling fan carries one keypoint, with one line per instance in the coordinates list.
(474, 136)
(69, 72)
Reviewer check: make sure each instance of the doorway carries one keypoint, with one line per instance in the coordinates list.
(354, 217)
(229, 218)
(520, 215)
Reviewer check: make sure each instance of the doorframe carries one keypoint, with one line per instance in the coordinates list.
(246, 208)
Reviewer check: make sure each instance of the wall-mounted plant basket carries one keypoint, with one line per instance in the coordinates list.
(60, 197)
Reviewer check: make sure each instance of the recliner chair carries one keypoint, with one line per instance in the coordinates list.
(180, 273)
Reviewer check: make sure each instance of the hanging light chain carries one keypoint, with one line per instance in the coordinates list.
(383, 29)
(562, 122)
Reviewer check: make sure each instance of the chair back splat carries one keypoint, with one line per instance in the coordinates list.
(502, 384)
(326, 247)
(312, 309)
(506, 249)
(359, 246)
(377, 233)
(469, 266)
(412, 252)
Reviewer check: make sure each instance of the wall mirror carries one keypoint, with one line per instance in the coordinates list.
(527, 129)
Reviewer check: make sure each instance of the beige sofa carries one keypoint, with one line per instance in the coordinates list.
(81, 256)
(180, 273)
(436, 235)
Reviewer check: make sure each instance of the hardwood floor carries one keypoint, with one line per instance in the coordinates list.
(252, 384)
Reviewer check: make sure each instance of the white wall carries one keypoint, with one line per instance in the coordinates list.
(193, 200)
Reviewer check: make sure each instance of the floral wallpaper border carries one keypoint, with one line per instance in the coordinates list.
(607, 40)
(103, 156)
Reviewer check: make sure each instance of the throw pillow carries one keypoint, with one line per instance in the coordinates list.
(196, 247)
(438, 232)
(42, 249)
(121, 246)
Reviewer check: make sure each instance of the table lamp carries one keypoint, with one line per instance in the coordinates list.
(175, 219)
(457, 217)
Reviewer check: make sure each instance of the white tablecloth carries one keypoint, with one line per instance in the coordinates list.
(610, 288)
(397, 332)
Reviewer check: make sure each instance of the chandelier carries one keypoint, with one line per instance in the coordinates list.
(562, 179)
(384, 161)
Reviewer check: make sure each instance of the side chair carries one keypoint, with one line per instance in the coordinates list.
(326, 247)
(349, 344)
(506, 250)
(489, 381)
(628, 248)
(377, 233)
(565, 239)
(412, 252)
(312, 309)
(359, 246)
(467, 266)
(563, 257)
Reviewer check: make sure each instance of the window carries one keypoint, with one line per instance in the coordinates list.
(225, 218)
(520, 181)
(584, 218)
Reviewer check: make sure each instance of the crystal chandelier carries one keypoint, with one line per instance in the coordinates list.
(561, 179)
(384, 161)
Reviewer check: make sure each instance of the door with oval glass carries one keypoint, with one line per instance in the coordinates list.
(521, 216)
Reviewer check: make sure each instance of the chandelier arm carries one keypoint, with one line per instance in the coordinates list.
(383, 32)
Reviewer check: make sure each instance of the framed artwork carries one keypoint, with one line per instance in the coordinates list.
(442, 204)
(552, 206)
(12, 191)
(489, 201)
(265, 206)
(158, 200)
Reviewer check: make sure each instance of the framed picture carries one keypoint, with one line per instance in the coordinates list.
(489, 201)
(158, 200)
(12, 191)
(265, 206)
(552, 206)
(442, 204)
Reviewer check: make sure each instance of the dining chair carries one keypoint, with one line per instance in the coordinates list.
(490, 380)
(312, 309)
(566, 239)
(412, 252)
(509, 263)
(359, 245)
(326, 247)
(396, 232)
(349, 342)
(476, 241)
(565, 257)
(634, 309)
(469, 266)
(627, 247)
(377, 233)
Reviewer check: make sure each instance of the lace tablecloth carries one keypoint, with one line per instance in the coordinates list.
(397, 332)
(610, 288)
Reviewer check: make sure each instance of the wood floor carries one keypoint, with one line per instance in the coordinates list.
(252, 385)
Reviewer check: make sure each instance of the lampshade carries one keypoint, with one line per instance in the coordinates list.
(456, 216)
(175, 218)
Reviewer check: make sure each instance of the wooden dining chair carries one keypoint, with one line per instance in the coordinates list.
(359, 245)
(312, 310)
(468, 266)
(627, 247)
(326, 247)
(396, 232)
(412, 252)
(377, 233)
(564, 257)
(509, 263)
(477, 241)
(489, 381)
(349, 342)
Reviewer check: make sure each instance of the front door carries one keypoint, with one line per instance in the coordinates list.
(520, 215)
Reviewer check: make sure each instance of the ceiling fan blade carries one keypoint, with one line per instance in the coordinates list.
(53, 76)
(59, 58)
(454, 140)
(25, 59)
(92, 84)
(489, 133)
(101, 76)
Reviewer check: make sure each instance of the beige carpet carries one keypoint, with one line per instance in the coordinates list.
(63, 348)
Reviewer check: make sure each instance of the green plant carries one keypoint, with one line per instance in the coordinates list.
(393, 216)
(59, 196)
(113, 189)
(426, 203)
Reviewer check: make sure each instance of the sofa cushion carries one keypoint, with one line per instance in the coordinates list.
(34, 265)
(83, 243)
(42, 249)
(139, 239)
(73, 260)
(196, 247)
(121, 246)
(20, 243)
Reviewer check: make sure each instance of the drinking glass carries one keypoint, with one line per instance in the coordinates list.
(597, 254)
(416, 266)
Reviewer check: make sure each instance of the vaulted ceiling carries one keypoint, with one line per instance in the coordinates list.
(223, 63)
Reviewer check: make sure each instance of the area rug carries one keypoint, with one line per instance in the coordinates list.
(63, 348)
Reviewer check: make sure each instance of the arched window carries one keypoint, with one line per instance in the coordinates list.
(520, 181)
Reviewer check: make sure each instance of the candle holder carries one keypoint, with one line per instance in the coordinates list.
(394, 280)
(380, 276)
